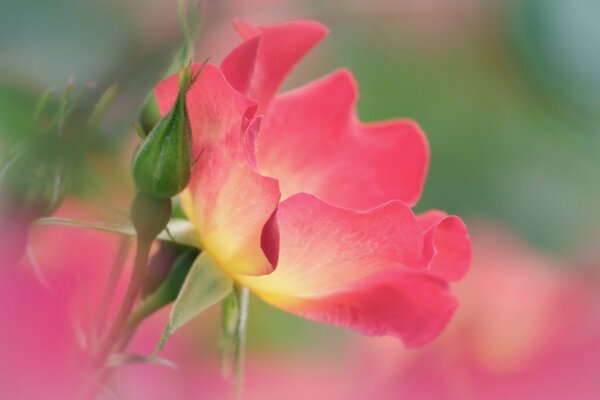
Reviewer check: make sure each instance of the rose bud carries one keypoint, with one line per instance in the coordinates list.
(162, 163)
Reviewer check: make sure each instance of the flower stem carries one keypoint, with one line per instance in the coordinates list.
(144, 310)
(244, 297)
(111, 283)
(135, 285)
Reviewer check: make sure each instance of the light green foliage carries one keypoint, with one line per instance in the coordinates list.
(206, 285)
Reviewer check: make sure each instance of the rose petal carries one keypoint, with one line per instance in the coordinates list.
(349, 268)
(412, 307)
(324, 248)
(259, 65)
(312, 142)
(233, 206)
(238, 66)
(447, 247)
(214, 106)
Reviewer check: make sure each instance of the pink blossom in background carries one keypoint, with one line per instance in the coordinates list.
(36, 338)
(13, 237)
(307, 206)
(46, 315)
(49, 309)
(526, 329)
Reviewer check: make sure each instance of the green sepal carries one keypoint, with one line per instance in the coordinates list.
(168, 291)
(205, 285)
(150, 115)
(139, 130)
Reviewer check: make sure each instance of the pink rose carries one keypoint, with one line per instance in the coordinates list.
(297, 200)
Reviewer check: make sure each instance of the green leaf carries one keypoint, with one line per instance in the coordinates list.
(180, 231)
(205, 285)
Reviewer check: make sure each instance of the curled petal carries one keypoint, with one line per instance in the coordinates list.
(412, 307)
(312, 142)
(324, 248)
(239, 65)
(233, 206)
(447, 247)
(355, 269)
(260, 64)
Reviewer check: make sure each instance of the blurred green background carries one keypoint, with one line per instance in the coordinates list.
(508, 93)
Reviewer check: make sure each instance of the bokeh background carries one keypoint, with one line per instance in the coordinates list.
(508, 93)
